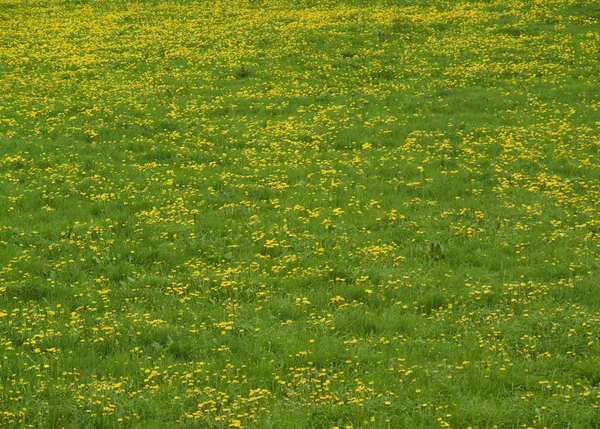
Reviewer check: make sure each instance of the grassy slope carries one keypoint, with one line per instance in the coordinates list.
(218, 214)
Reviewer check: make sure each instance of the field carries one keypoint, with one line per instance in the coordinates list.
(300, 214)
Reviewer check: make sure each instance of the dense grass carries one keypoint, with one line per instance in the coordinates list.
(299, 214)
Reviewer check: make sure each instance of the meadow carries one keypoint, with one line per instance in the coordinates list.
(299, 214)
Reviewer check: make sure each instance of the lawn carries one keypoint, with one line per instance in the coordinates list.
(299, 214)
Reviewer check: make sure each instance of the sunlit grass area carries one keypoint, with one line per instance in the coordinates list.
(299, 214)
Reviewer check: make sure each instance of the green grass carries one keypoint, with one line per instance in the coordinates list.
(221, 214)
